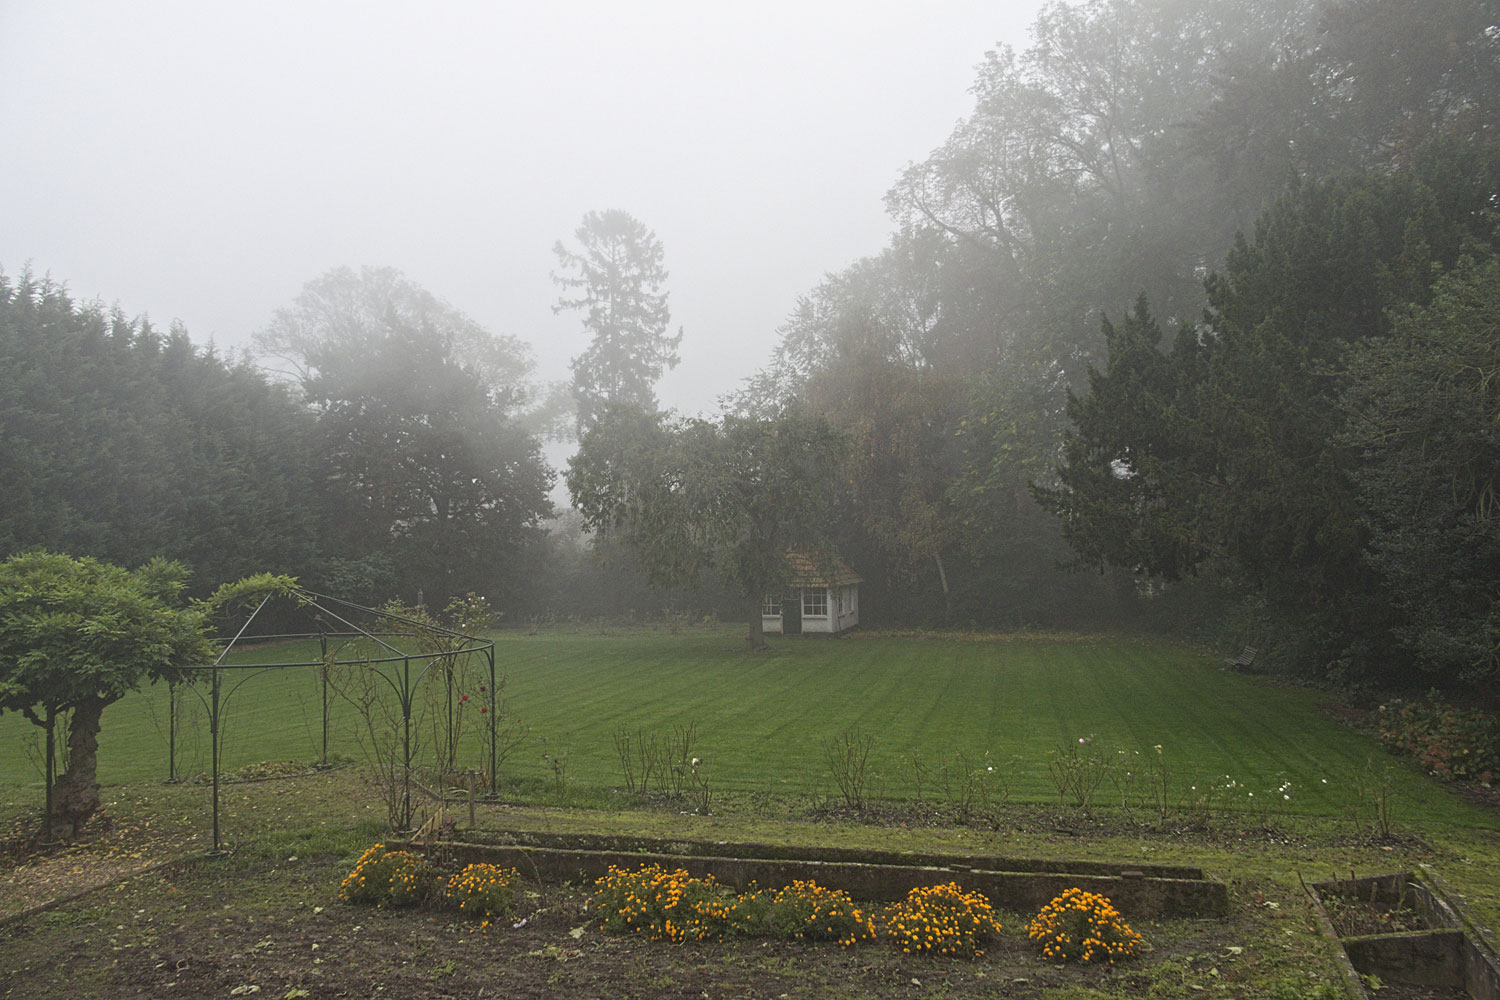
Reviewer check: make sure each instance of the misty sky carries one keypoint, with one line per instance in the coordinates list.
(201, 161)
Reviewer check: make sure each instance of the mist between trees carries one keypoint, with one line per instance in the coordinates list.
(1189, 324)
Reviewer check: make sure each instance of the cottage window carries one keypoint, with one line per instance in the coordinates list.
(815, 602)
(770, 607)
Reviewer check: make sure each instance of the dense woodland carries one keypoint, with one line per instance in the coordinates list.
(1193, 322)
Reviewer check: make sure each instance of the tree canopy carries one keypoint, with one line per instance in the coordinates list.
(1104, 172)
(419, 411)
(1231, 450)
(615, 278)
(125, 443)
(1422, 407)
(728, 497)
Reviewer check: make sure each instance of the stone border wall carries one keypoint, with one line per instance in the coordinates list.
(778, 852)
(1135, 893)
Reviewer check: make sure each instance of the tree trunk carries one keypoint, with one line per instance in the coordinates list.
(76, 795)
(49, 769)
(756, 640)
(937, 557)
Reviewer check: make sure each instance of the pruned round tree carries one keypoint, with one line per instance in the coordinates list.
(76, 634)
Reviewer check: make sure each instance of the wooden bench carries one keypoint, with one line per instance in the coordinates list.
(1245, 658)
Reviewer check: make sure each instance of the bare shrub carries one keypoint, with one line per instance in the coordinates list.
(389, 737)
(973, 784)
(1077, 770)
(679, 759)
(848, 756)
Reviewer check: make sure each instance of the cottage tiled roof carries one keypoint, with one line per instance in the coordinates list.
(805, 572)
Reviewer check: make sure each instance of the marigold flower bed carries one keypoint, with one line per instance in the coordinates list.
(940, 919)
(673, 905)
(1081, 926)
(484, 891)
(387, 878)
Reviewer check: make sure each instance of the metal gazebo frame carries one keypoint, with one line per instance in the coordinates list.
(405, 687)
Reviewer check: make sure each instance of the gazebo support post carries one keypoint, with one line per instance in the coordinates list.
(323, 646)
(494, 723)
(213, 738)
(406, 739)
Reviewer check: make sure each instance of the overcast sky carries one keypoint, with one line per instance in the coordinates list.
(202, 160)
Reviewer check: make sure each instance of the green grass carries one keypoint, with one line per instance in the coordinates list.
(763, 721)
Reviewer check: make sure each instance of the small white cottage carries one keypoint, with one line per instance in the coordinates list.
(816, 603)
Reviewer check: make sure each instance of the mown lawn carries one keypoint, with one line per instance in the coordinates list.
(763, 721)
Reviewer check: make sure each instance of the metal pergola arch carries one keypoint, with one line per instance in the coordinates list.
(323, 606)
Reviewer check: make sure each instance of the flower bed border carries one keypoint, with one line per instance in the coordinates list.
(1148, 896)
(780, 852)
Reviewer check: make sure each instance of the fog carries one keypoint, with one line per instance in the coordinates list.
(202, 161)
(960, 385)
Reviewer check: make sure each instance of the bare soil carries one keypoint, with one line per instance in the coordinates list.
(228, 927)
(1357, 917)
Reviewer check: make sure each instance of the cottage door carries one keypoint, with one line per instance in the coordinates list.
(791, 613)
